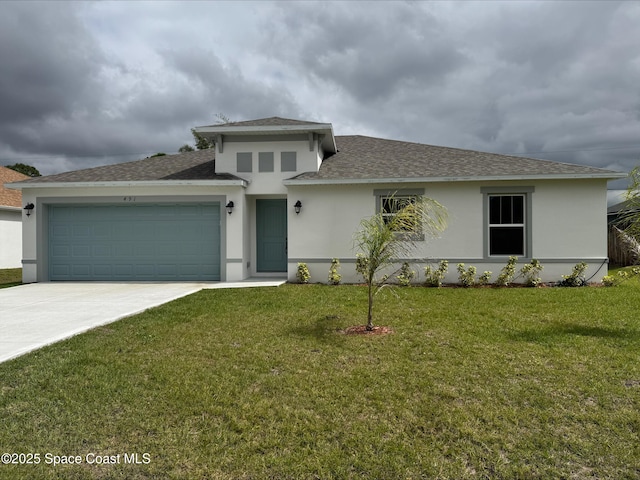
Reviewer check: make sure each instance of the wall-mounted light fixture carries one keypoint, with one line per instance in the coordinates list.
(230, 206)
(29, 208)
(298, 206)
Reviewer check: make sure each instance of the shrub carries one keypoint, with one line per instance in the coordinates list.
(507, 273)
(434, 278)
(613, 280)
(467, 278)
(334, 276)
(530, 272)
(406, 275)
(303, 274)
(577, 278)
(485, 278)
(621, 276)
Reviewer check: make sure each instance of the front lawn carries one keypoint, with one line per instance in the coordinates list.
(10, 277)
(260, 383)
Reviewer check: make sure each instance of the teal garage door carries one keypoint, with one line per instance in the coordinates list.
(140, 242)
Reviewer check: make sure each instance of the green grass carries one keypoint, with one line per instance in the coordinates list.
(10, 277)
(260, 383)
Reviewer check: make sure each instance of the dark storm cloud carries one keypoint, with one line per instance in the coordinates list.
(66, 101)
(552, 80)
(48, 70)
(226, 87)
(370, 50)
(93, 83)
(48, 62)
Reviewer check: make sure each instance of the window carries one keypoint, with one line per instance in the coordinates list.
(244, 162)
(265, 162)
(288, 162)
(390, 205)
(506, 225)
(389, 202)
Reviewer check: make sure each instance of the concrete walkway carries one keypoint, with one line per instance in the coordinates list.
(38, 314)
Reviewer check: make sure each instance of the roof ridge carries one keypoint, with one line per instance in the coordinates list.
(274, 121)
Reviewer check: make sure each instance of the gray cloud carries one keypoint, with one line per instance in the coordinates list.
(49, 62)
(89, 83)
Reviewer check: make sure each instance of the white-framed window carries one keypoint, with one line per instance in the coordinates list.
(507, 230)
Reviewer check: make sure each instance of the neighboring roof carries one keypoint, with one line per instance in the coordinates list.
(622, 207)
(198, 165)
(10, 198)
(362, 158)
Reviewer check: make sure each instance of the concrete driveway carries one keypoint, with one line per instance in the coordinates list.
(38, 314)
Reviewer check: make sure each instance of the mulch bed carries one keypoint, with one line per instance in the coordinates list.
(362, 330)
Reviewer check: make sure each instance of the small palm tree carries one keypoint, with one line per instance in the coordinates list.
(383, 239)
(630, 218)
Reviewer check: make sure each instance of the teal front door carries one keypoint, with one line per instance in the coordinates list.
(271, 235)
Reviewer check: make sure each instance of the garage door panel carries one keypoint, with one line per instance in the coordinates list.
(134, 242)
(61, 270)
(103, 271)
(81, 251)
(60, 251)
(81, 271)
(101, 251)
(61, 231)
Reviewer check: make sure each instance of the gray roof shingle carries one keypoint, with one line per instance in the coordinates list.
(198, 165)
(358, 158)
(361, 157)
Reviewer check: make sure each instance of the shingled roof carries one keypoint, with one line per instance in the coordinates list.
(367, 158)
(267, 122)
(10, 198)
(359, 159)
(198, 165)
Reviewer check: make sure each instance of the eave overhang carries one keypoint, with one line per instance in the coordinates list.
(139, 183)
(10, 209)
(325, 130)
(354, 181)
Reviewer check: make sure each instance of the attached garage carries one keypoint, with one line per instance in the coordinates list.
(134, 242)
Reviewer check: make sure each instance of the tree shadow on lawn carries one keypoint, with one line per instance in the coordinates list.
(325, 328)
(563, 329)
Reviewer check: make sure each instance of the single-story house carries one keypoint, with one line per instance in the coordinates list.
(274, 192)
(10, 220)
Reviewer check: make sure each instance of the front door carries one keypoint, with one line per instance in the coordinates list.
(271, 235)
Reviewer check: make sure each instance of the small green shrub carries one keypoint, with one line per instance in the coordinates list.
(577, 278)
(485, 278)
(612, 280)
(406, 275)
(507, 273)
(530, 272)
(467, 278)
(434, 277)
(621, 276)
(303, 274)
(334, 276)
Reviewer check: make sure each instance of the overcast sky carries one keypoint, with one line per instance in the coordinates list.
(86, 84)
